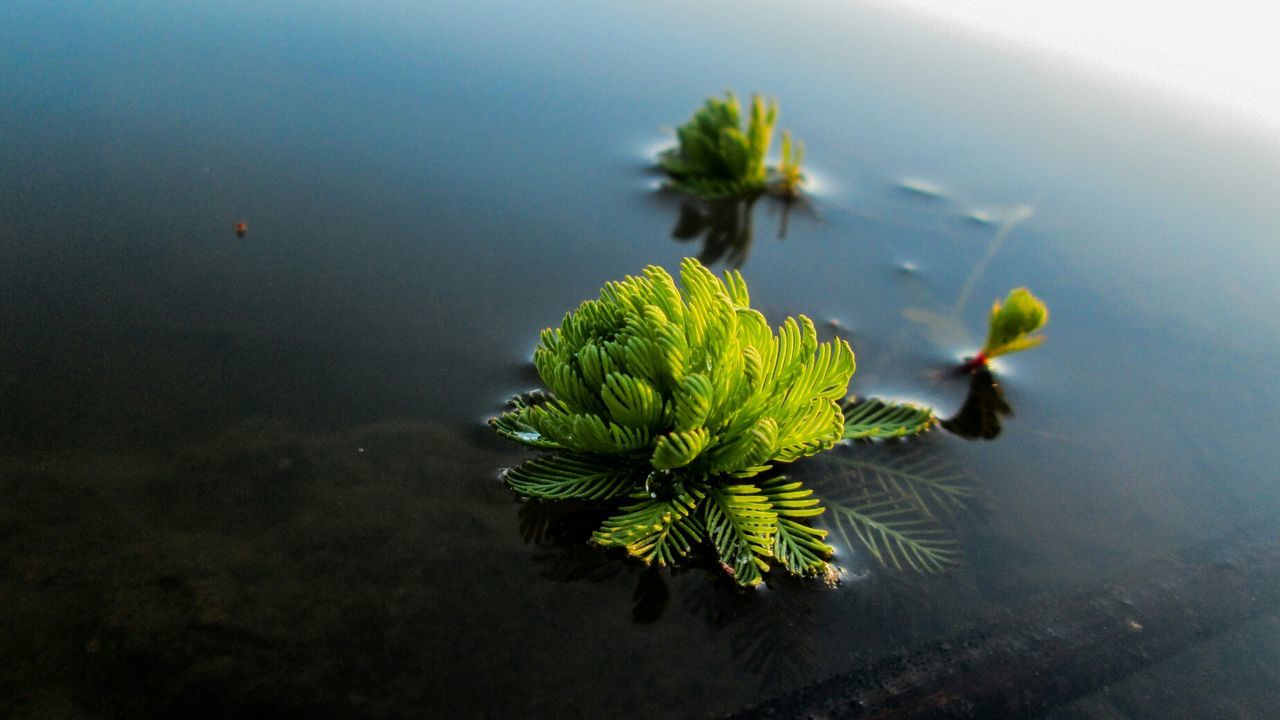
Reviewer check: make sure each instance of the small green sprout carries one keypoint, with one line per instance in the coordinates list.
(788, 177)
(673, 400)
(1011, 325)
(717, 157)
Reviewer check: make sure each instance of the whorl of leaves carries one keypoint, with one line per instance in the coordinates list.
(669, 401)
(689, 381)
(674, 397)
(717, 157)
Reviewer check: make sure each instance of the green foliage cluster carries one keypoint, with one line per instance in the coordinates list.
(1012, 323)
(789, 178)
(668, 404)
(675, 398)
(717, 157)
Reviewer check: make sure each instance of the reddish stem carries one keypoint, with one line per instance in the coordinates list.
(975, 363)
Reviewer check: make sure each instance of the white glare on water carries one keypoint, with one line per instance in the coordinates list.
(1215, 57)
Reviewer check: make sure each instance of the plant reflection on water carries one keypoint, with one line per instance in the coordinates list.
(724, 226)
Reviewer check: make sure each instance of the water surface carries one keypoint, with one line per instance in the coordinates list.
(250, 476)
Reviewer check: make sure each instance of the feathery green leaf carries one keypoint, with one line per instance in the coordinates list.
(679, 448)
(876, 419)
(655, 530)
(564, 476)
(514, 426)
(741, 526)
(797, 545)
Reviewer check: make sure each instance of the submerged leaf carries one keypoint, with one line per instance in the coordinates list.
(895, 501)
(928, 483)
(895, 534)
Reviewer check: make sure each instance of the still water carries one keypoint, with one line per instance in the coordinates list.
(250, 476)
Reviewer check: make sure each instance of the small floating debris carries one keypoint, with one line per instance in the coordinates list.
(831, 576)
(908, 268)
(241, 229)
(920, 188)
(982, 217)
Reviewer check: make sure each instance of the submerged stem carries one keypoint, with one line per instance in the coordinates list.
(1020, 213)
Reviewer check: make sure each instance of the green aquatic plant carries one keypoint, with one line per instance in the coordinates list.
(1011, 326)
(675, 400)
(718, 157)
(788, 177)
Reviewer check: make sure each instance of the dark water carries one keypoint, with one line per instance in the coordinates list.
(250, 477)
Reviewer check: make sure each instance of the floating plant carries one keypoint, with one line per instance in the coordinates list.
(1011, 326)
(717, 157)
(674, 401)
(787, 177)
